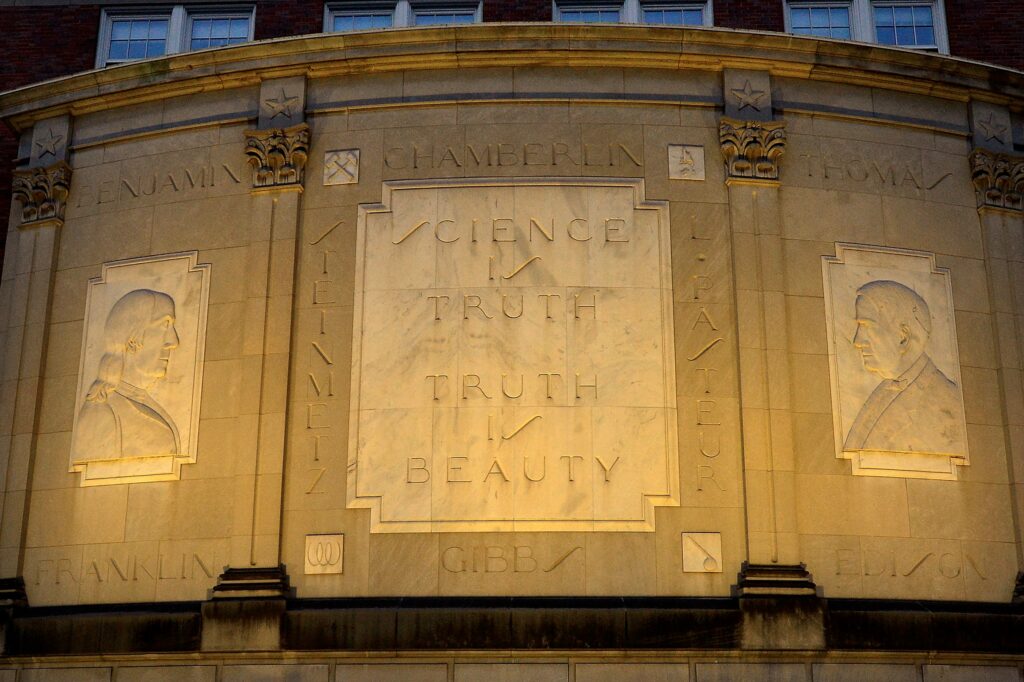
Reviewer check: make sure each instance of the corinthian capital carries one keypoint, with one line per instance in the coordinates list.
(998, 179)
(752, 148)
(43, 192)
(278, 155)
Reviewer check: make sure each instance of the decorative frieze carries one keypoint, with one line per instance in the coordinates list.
(752, 149)
(278, 155)
(43, 192)
(998, 179)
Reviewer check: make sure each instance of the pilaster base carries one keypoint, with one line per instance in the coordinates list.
(781, 608)
(245, 610)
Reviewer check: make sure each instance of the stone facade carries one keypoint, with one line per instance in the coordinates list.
(724, 359)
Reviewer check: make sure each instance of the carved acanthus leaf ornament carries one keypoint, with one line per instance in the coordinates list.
(278, 155)
(752, 149)
(43, 192)
(998, 179)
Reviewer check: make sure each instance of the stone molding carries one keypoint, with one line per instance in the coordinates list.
(752, 149)
(278, 156)
(43, 193)
(998, 179)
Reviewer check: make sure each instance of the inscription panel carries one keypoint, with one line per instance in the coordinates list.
(513, 358)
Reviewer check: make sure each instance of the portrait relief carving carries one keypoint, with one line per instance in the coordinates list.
(897, 397)
(137, 407)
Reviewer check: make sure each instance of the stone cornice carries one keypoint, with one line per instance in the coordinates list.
(491, 45)
(277, 156)
(42, 193)
(998, 179)
(752, 149)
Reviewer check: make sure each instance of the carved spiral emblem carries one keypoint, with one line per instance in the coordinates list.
(323, 553)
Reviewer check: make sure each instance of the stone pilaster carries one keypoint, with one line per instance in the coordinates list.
(40, 190)
(752, 151)
(999, 184)
(248, 601)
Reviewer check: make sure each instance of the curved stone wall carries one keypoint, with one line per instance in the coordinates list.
(516, 310)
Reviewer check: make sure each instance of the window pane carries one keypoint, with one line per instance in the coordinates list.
(819, 17)
(201, 28)
(137, 49)
(904, 16)
(199, 43)
(886, 35)
(693, 17)
(904, 35)
(820, 33)
(923, 16)
(342, 23)
(118, 50)
(155, 48)
(841, 32)
(220, 28)
(925, 35)
(883, 16)
(239, 28)
(140, 29)
(120, 30)
(840, 17)
(800, 18)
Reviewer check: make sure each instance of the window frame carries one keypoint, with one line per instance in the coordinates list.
(403, 12)
(862, 20)
(179, 25)
(632, 11)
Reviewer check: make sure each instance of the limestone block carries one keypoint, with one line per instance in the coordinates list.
(770, 672)
(632, 672)
(970, 673)
(65, 674)
(384, 672)
(511, 672)
(856, 672)
(274, 673)
(176, 673)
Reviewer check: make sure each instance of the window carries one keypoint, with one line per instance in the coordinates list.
(378, 15)
(918, 24)
(664, 12)
(905, 25)
(590, 15)
(127, 36)
(822, 21)
(686, 15)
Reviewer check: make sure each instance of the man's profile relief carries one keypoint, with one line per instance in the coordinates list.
(137, 406)
(897, 398)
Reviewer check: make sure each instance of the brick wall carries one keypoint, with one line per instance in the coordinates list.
(279, 18)
(756, 15)
(990, 31)
(66, 40)
(517, 10)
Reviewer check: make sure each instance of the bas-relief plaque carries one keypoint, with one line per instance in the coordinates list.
(137, 407)
(897, 397)
(513, 363)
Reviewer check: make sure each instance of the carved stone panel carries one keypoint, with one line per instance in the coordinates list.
(897, 397)
(137, 410)
(513, 357)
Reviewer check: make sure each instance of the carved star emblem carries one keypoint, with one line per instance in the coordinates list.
(49, 144)
(748, 97)
(282, 106)
(992, 129)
